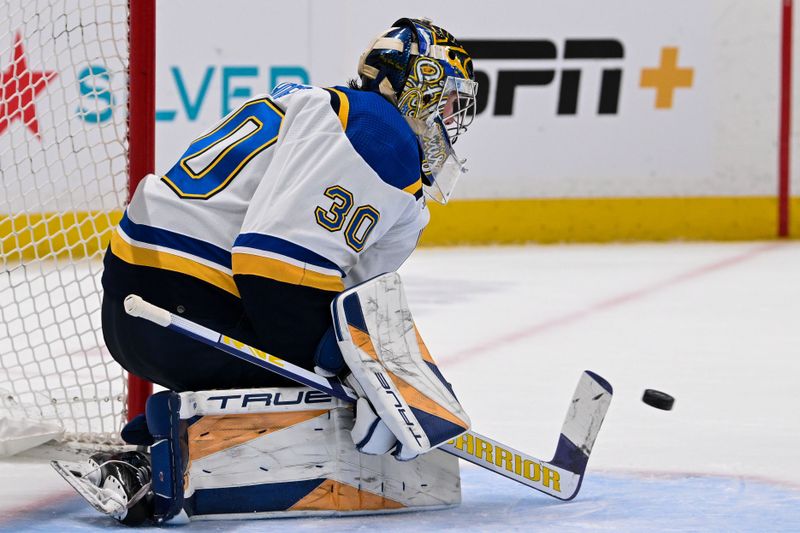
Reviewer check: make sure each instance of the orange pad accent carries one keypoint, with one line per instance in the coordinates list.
(212, 434)
(426, 355)
(416, 399)
(363, 341)
(335, 496)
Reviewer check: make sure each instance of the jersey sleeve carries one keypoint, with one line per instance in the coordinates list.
(343, 187)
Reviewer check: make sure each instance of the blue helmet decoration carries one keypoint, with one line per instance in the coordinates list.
(429, 76)
(383, 67)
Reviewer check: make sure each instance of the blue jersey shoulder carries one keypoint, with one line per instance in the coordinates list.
(381, 136)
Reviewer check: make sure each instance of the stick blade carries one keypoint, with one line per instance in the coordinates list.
(582, 424)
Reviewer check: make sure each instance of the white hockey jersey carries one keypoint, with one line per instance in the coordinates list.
(307, 186)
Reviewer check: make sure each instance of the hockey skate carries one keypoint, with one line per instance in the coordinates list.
(116, 484)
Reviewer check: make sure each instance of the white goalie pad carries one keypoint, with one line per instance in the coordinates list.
(281, 452)
(387, 357)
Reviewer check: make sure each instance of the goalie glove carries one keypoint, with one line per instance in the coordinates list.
(407, 394)
(371, 435)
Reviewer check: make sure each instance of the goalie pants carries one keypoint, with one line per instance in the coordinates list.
(180, 363)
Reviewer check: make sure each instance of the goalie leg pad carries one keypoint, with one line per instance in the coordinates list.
(282, 452)
(169, 455)
(387, 357)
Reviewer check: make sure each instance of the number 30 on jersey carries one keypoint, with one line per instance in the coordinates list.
(359, 225)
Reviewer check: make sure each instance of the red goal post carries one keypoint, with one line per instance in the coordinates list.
(141, 133)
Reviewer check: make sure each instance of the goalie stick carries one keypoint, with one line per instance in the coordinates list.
(560, 477)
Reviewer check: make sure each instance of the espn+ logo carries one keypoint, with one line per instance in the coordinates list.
(577, 56)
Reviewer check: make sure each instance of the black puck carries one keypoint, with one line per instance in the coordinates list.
(658, 399)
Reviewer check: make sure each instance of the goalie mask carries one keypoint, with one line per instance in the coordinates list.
(429, 76)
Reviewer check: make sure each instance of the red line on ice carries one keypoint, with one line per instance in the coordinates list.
(36, 506)
(603, 305)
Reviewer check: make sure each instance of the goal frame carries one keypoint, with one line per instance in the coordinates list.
(141, 133)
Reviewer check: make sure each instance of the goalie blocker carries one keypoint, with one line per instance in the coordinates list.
(258, 453)
(408, 405)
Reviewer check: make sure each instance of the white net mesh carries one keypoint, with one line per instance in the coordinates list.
(63, 182)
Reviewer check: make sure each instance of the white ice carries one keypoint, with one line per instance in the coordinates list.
(715, 325)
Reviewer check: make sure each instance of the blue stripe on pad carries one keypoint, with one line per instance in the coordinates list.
(435, 369)
(193, 420)
(176, 241)
(268, 243)
(353, 313)
(250, 499)
(437, 429)
(336, 328)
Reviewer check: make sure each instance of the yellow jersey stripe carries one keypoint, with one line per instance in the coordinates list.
(166, 261)
(344, 108)
(268, 267)
(414, 187)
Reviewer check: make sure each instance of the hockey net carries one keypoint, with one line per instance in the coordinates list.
(64, 160)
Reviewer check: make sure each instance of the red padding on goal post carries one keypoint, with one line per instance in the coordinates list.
(142, 91)
(141, 131)
(784, 168)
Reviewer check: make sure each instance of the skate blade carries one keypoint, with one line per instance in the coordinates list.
(102, 500)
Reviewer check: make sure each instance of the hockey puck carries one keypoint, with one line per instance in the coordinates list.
(658, 399)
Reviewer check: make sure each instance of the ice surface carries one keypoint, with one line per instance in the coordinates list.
(715, 325)
(608, 502)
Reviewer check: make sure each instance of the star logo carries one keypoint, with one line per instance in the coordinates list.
(18, 89)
